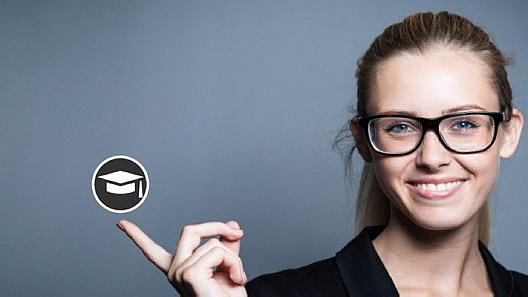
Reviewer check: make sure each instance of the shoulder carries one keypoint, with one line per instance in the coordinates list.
(505, 282)
(520, 283)
(317, 279)
(354, 271)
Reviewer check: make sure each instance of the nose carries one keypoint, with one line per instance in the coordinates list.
(432, 154)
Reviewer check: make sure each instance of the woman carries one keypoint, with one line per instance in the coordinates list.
(434, 117)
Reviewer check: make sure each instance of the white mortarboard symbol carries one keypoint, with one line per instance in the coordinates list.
(120, 184)
(123, 182)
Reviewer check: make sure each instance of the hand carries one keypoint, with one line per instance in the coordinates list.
(212, 269)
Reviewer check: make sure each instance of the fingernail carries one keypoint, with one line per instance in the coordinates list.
(120, 226)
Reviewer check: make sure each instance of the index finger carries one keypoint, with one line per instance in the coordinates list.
(154, 252)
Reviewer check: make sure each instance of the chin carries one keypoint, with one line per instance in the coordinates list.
(440, 223)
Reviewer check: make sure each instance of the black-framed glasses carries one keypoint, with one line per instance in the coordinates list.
(464, 132)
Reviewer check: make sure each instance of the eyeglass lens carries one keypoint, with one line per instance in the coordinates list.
(464, 133)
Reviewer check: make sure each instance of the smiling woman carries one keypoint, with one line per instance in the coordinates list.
(434, 118)
(430, 84)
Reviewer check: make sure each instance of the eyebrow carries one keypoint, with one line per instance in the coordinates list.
(463, 108)
(444, 112)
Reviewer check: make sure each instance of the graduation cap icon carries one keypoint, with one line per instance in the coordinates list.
(123, 182)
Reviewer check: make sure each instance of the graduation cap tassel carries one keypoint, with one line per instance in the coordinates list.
(140, 189)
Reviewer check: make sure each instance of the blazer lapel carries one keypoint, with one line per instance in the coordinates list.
(361, 269)
(501, 279)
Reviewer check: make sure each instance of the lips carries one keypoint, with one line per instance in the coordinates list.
(435, 188)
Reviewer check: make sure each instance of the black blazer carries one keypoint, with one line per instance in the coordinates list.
(357, 270)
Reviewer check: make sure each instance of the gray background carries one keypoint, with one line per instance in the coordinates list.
(231, 106)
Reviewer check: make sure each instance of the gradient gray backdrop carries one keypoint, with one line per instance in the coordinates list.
(231, 106)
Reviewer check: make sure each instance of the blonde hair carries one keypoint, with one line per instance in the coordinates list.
(417, 33)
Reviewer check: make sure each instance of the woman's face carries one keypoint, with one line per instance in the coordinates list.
(435, 188)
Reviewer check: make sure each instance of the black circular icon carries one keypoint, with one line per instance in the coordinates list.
(120, 184)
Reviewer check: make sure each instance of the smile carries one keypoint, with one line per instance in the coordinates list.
(438, 187)
(435, 189)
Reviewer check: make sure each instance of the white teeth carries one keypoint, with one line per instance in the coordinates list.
(439, 187)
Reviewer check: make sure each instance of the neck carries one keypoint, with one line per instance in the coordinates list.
(445, 262)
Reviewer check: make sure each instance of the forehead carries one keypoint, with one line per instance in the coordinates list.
(431, 83)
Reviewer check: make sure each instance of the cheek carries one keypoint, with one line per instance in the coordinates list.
(389, 172)
(484, 167)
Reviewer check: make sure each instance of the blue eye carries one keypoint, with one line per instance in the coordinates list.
(399, 128)
(463, 125)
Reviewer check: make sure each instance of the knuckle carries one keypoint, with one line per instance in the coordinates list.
(177, 274)
(214, 242)
(188, 275)
(218, 250)
(187, 229)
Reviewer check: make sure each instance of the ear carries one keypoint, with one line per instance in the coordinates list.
(511, 133)
(360, 139)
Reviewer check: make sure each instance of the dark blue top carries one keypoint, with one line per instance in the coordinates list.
(357, 270)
